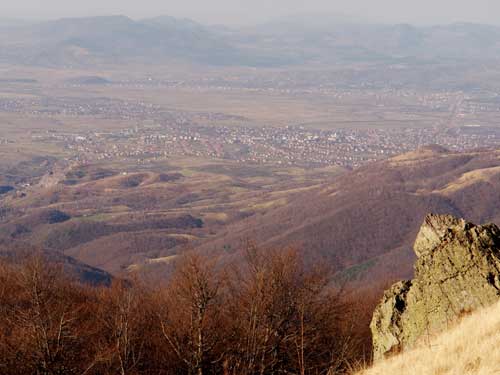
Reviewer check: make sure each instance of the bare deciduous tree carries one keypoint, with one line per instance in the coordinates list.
(188, 323)
(268, 314)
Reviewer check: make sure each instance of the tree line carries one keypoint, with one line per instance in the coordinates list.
(269, 314)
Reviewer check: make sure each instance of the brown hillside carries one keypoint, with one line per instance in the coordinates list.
(365, 221)
(120, 217)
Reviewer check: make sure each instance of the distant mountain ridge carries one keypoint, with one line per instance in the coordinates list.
(295, 40)
(118, 39)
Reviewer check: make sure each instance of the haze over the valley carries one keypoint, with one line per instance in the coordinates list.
(228, 186)
(242, 12)
(176, 133)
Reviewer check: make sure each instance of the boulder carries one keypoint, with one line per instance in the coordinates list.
(457, 271)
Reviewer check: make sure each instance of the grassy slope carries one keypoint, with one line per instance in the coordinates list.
(471, 347)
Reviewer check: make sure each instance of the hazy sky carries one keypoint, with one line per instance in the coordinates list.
(255, 11)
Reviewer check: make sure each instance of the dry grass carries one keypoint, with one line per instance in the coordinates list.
(470, 178)
(269, 204)
(472, 347)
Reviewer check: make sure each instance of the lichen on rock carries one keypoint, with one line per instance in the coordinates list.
(457, 271)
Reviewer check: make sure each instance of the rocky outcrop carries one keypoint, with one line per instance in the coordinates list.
(457, 271)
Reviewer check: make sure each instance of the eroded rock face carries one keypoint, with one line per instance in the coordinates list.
(457, 271)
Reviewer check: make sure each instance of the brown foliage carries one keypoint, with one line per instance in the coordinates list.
(191, 314)
(286, 318)
(44, 320)
(271, 315)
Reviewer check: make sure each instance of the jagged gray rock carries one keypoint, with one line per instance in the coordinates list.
(457, 271)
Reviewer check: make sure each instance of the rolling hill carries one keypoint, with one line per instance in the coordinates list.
(361, 222)
(17, 251)
(364, 222)
(121, 217)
